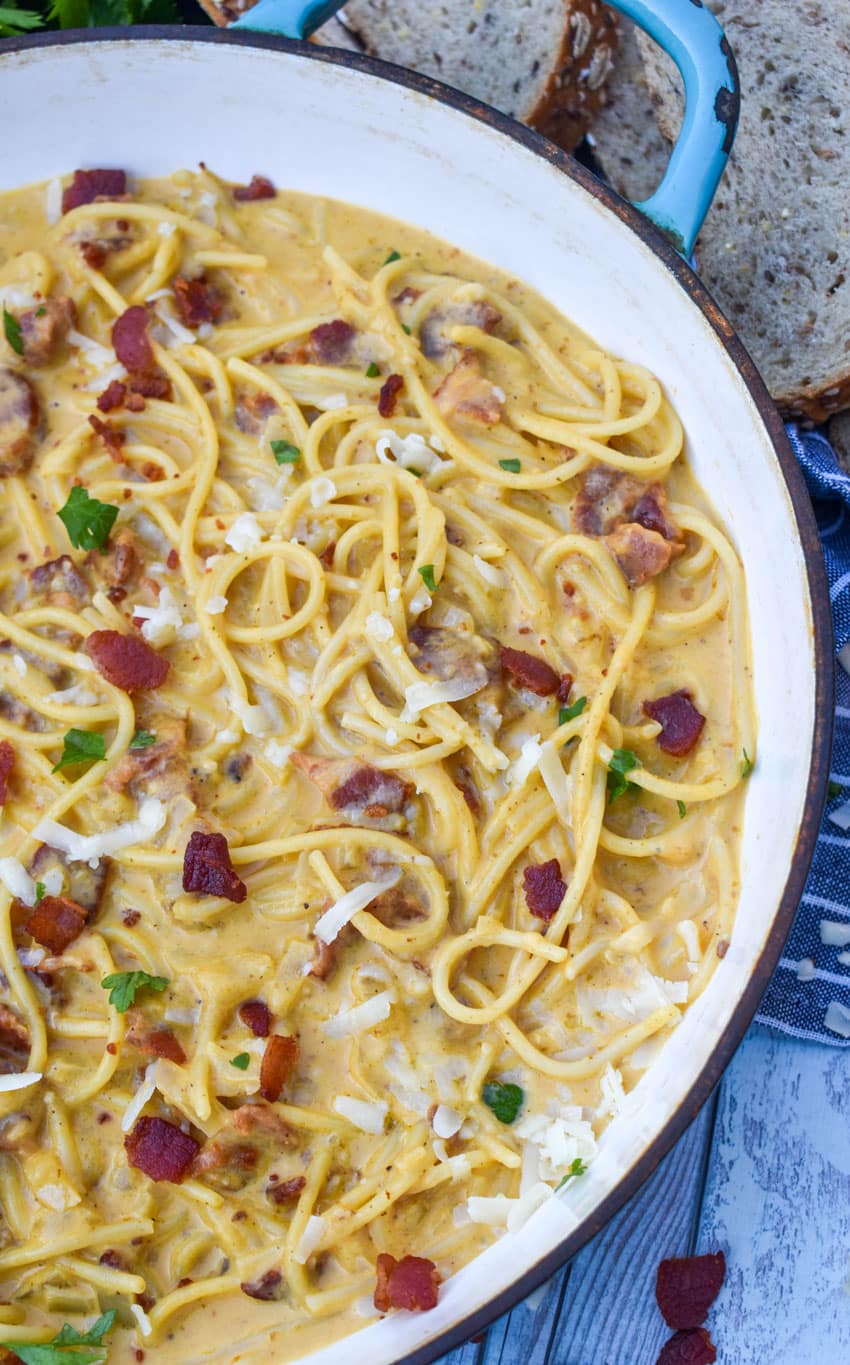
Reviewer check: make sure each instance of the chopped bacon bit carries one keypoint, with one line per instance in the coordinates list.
(126, 661)
(136, 403)
(388, 397)
(605, 500)
(330, 342)
(681, 723)
(354, 788)
(266, 1288)
(252, 411)
(121, 562)
(253, 1118)
(470, 313)
(259, 188)
(470, 796)
(529, 671)
(60, 583)
(156, 1042)
(286, 1191)
(686, 1287)
(279, 1058)
(162, 769)
(256, 1016)
(161, 1150)
(113, 396)
(19, 419)
(87, 186)
(544, 888)
(112, 439)
(327, 555)
(465, 393)
(393, 907)
(131, 918)
(131, 341)
(14, 1034)
(219, 1155)
(565, 687)
(94, 253)
(7, 763)
(633, 519)
(44, 327)
(173, 560)
(651, 513)
(56, 922)
(410, 1283)
(113, 1259)
(641, 554)
(197, 301)
(324, 959)
(688, 1348)
(150, 384)
(207, 868)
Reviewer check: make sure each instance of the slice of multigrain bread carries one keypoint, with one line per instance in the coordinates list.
(630, 148)
(545, 62)
(775, 248)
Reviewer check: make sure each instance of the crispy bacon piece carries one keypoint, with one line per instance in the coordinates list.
(452, 654)
(19, 419)
(55, 922)
(330, 343)
(466, 394)
(113, 396)
(259, 1118)
(197, 300)
(641, 554)
(85, 885)
(529, 671)
(112, 439)
(681, 723)
(153, 1042)
(355, 789)
(14, 1041)
(220, 1155)
(7, 763)
(565, 687)
(60, 583)
(688, 1348)
(279, 1059)
(256, 1016)
(45, 327)
(121, 563)
(148, 384)
(252, 410)
(259, 188)
(686, 1287)
(605, 499)
(633, 520)
(544, 888)
(388, 397)
(412, 1283)
(208, 870)
(267, 1288)
(161, 1150)
(160, 770)
(324, 959)
(393, 907)
(472, 313)
(126, 661)
(131, 341)
(87, 186)
(651, 512)
(285, 1191)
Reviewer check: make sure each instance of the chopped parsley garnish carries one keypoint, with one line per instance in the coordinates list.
(87, 521)
(40, 889)
(81, 746)
(746, 764)
(64, 1345)
(372, 371)
(622, 762)
(504, 1098)
(426, 573)
(570, 712)
(240, 1062)
(142, 739)
(405, 328)
(393, 256)
(285, 452)
(41, 312)
(834, 789)
(683, 810)
(12, 328)
(577, 1167)
(122, 987)
(511, 466)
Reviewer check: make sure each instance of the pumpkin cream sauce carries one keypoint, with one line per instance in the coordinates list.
(375, 710)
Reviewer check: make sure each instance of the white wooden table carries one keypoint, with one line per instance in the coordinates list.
(764, 1174)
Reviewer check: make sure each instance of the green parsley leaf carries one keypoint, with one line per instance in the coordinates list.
(393, 256)
(40, 889)
(405, 328)
(41, 312)
(512, 466)
(417, 473)
(142, 739)
(241, 1061)
(64, 1345)
(87, 521)
(622, 762)
(834, 789)
(12, 328)
(122, 987)
(504, 1098)
(577, 1167)
(285, 452)
(747, 764)
(570, 712)
(683, 810)
(81, 746)
(426, 573)
(373, 371)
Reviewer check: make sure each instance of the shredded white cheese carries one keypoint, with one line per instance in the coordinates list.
(529, 758)
(244, 534)
(360, 1017)
(310, 1238)
(19, 1080)
(420, 601)
(391, 738)
(369, 1116)
(144, 1093)
(78, 695)
(99, 357)
(446, 1121)
(338, 915)
(837, 1019)
(162, 623)
(526, 1205)
(491, 1210)
(254, 719)
(489, 572)
(20, 664)
(410, 452)
(322, 491)
(420, 695)
(216, 606)
(144, 1322)
(835, 933)
(333, 401)
(84, 848)
(54, 880)
(17, 880)
(378, 627)
(278, 754)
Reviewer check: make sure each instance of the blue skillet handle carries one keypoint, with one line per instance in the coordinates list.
(696, 42)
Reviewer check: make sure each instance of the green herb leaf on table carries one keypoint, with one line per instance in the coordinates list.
(87, 521)
(65, 1345)
(426, 573)
(241, 1061)
(747, 764)
(504, 1098)
(510, 466)
(577, 1168)
(123, 986)
(570, 712)
(81, 746)
(285, 452)
(142, 739)
(622, 762)
(12, 328)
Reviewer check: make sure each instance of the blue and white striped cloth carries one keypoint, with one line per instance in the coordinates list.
(792, 1002)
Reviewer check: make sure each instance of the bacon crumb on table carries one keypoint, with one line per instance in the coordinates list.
(412, 1283)
(693, 1347)
(686, 1287)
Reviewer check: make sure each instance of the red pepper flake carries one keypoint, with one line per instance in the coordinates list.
(161, 1150)
(87, 186)
(688, 1348)
(208, 870)
(388, 397)
(529, 671)
(686, 1287)
(412, 1283)
(544, 888)
(126, 661)
(681, 723)
(259, 188)
(256, 1016)
(7, 763)
(56, 922)
(279, 1059)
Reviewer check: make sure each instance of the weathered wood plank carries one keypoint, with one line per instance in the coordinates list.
(777, 1199)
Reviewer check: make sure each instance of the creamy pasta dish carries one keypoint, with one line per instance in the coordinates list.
(375, 706)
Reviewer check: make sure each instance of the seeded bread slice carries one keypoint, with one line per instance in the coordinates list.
(545, 62)
(629, 147)
(775, 248)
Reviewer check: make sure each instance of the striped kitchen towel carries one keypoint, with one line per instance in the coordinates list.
(809, 994)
